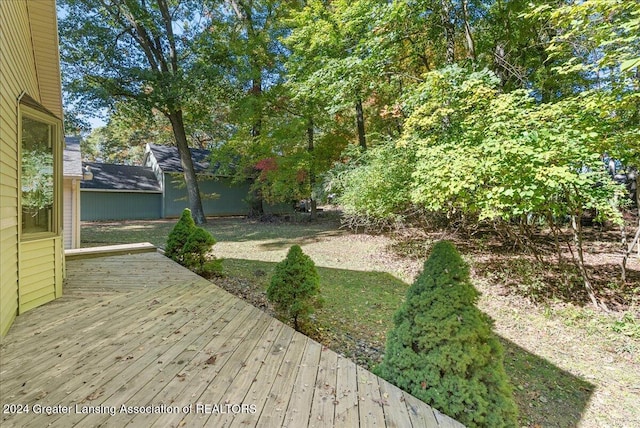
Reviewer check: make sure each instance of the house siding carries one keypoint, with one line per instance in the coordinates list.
(113, 205)
(38, 275)
(71, 190)
(231, 200)
(28, 47)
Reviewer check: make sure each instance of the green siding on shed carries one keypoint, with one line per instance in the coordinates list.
(120, 206)
(231, 200)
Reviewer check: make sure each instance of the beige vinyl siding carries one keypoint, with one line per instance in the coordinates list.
(15, 49)
(28, 64)
(71, 213)
(8, 225)
(37, 273)
(67, 213)
(47, 61)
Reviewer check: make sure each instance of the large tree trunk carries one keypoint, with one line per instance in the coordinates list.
(256, 91)
(312, 172)
(362, 140)
(190, 178)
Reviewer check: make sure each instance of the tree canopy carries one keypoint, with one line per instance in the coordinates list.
(485, 111)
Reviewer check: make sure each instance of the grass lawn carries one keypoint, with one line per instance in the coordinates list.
(569, 365)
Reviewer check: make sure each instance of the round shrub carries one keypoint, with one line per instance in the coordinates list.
(295, 287)
(178, 236)
(442, 349)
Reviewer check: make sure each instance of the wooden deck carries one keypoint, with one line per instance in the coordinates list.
(138, 340)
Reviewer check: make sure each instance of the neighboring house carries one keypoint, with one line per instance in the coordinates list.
(220, 195)
(120, 192)
(72, 177)
(31, 143)
(157, 189)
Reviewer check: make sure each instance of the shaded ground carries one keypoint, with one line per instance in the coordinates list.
(570, 365)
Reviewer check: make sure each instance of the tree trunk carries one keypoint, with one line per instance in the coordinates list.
(449, 30)
(362, 140)
(256, 91)
(257, 207)
(312, 173)
(190, 178)
(629, 250)
(576, 227)
(471, 46)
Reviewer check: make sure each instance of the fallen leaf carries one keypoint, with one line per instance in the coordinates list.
(211, 360)
(95, 394)
(380, 401)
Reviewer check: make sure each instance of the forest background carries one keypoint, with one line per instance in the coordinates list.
(513, 115)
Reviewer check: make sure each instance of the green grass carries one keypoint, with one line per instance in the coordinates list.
(546, 395)
(358, 306)
(569, 366)
(223, 229)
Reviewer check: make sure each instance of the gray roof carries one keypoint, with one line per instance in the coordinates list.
(72, 163)
(107, 176)
(169, 160)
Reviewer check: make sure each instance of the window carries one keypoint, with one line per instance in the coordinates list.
(39, 134)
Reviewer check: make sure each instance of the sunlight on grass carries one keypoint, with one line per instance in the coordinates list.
(360, 304)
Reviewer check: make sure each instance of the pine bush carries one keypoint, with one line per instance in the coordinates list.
(195, 250)
(295, 287)
(178, 236)
(442, 349)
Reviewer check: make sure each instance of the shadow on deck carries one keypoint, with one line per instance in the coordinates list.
(137, 339)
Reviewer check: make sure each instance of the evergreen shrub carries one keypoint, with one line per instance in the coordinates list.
(188, 245)
(442, 349)
(294, 289)
(195, 250)
(178, 236)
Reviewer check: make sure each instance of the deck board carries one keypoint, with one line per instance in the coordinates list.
(139, 330)
(347, 394)
(324, 396)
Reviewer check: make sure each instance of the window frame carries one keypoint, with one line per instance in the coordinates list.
(41, 114)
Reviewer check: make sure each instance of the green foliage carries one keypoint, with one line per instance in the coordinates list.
(122, 140)
(295, 287)
(37, 179)
(600, 43)
(179, 236)
(467, 148)
(629, 325)
(212, 268)
(195, 250)
(442, 349)
(189, 245)
(377, 190)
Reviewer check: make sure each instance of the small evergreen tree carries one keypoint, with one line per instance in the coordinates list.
(442, 349)
(179, 235)
(195, 250)
(295, 287)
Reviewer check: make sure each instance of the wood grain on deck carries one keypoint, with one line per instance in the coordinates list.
(142, 332)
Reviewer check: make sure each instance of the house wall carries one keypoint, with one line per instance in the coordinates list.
(71, 213)
(29, 64)
(113, 205)
(231, 200)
